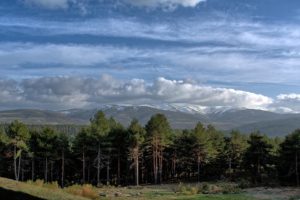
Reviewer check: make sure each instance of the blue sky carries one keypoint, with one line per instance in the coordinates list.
(59, 54)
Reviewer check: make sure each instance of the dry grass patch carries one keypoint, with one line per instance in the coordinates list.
(86, 190)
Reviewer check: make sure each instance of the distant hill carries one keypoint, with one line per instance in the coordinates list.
(278, 127)
(246, 120)
(30, 116)
(125, 114)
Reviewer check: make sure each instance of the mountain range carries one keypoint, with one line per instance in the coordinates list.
(245, 120)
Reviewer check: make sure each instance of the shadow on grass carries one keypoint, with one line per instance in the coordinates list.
(13, 195)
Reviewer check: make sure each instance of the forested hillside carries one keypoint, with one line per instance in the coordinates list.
(105, 152)
(245, 120)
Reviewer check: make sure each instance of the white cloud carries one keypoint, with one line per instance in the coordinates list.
(203, 63)
(9, 92)
(70, 92)
(170, 4)
(81, 4)
(289, 97)
(289, 103)
(182, 92)
(49, 4)
(14, 54)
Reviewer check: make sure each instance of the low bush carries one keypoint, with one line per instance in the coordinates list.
(231, 189)
(38, 182)
(207, 188)
(185, 189)
(52, 185)
(86, 190)
(244, 184)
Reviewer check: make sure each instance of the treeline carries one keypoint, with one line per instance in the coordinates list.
(68, 129)
(105, 152)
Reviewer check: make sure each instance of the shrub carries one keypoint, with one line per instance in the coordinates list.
(186, 189)
(194, 190)
(225, 188)
(244, 184)
(231, 189)
(52, 185)
(38, 182)
(207, 188)
(89, 192)
(74, 189)
(86, 190)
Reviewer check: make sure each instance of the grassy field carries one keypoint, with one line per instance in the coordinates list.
(9, 187)
(13, 190)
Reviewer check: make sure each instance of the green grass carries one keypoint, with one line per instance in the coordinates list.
(162, 192)
(37, 191)
(52, 192)
(198, 196)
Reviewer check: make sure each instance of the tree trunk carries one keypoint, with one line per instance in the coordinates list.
(107, 172)
(296, 166)
(98, 164)
(137, 167)
(89, 171)
(142, 169)
(229, 164)
(258, 170)
(22, 177)
(62, 168)
(46, 169)
(15, 163)
(174, 166)
(155, 161)
(119, 167)
(20, 164)
(83, 166)
(160, 159)
(32, 169)
(51, 170)
(198, 168)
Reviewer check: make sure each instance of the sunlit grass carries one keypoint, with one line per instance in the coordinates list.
(204, 191)
(38, 189)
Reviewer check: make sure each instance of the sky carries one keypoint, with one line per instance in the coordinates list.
(63, 54)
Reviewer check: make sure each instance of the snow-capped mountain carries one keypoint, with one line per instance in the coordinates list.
(179, 116)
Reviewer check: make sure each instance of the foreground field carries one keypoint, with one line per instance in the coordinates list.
(10, 189)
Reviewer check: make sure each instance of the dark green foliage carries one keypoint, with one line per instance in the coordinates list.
(233, 154)
(258, 159)
(158, 138)
(19, 134)
(104, 152)
(289, 162)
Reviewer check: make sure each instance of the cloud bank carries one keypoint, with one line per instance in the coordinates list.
(69, 92)
(165, 3)
(289, 103)
(64, 4)
(66, 92)
(50, 4)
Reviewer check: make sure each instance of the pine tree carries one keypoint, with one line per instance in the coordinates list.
(235, 147)
(63, 147)
(19, 136)
(81, 145)
(289, 157)
(136, 138)
(47, 141)
(158, 137)
(4, 141)
(118, 141)
(100, 128)
(257, 157)
(202, 146)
